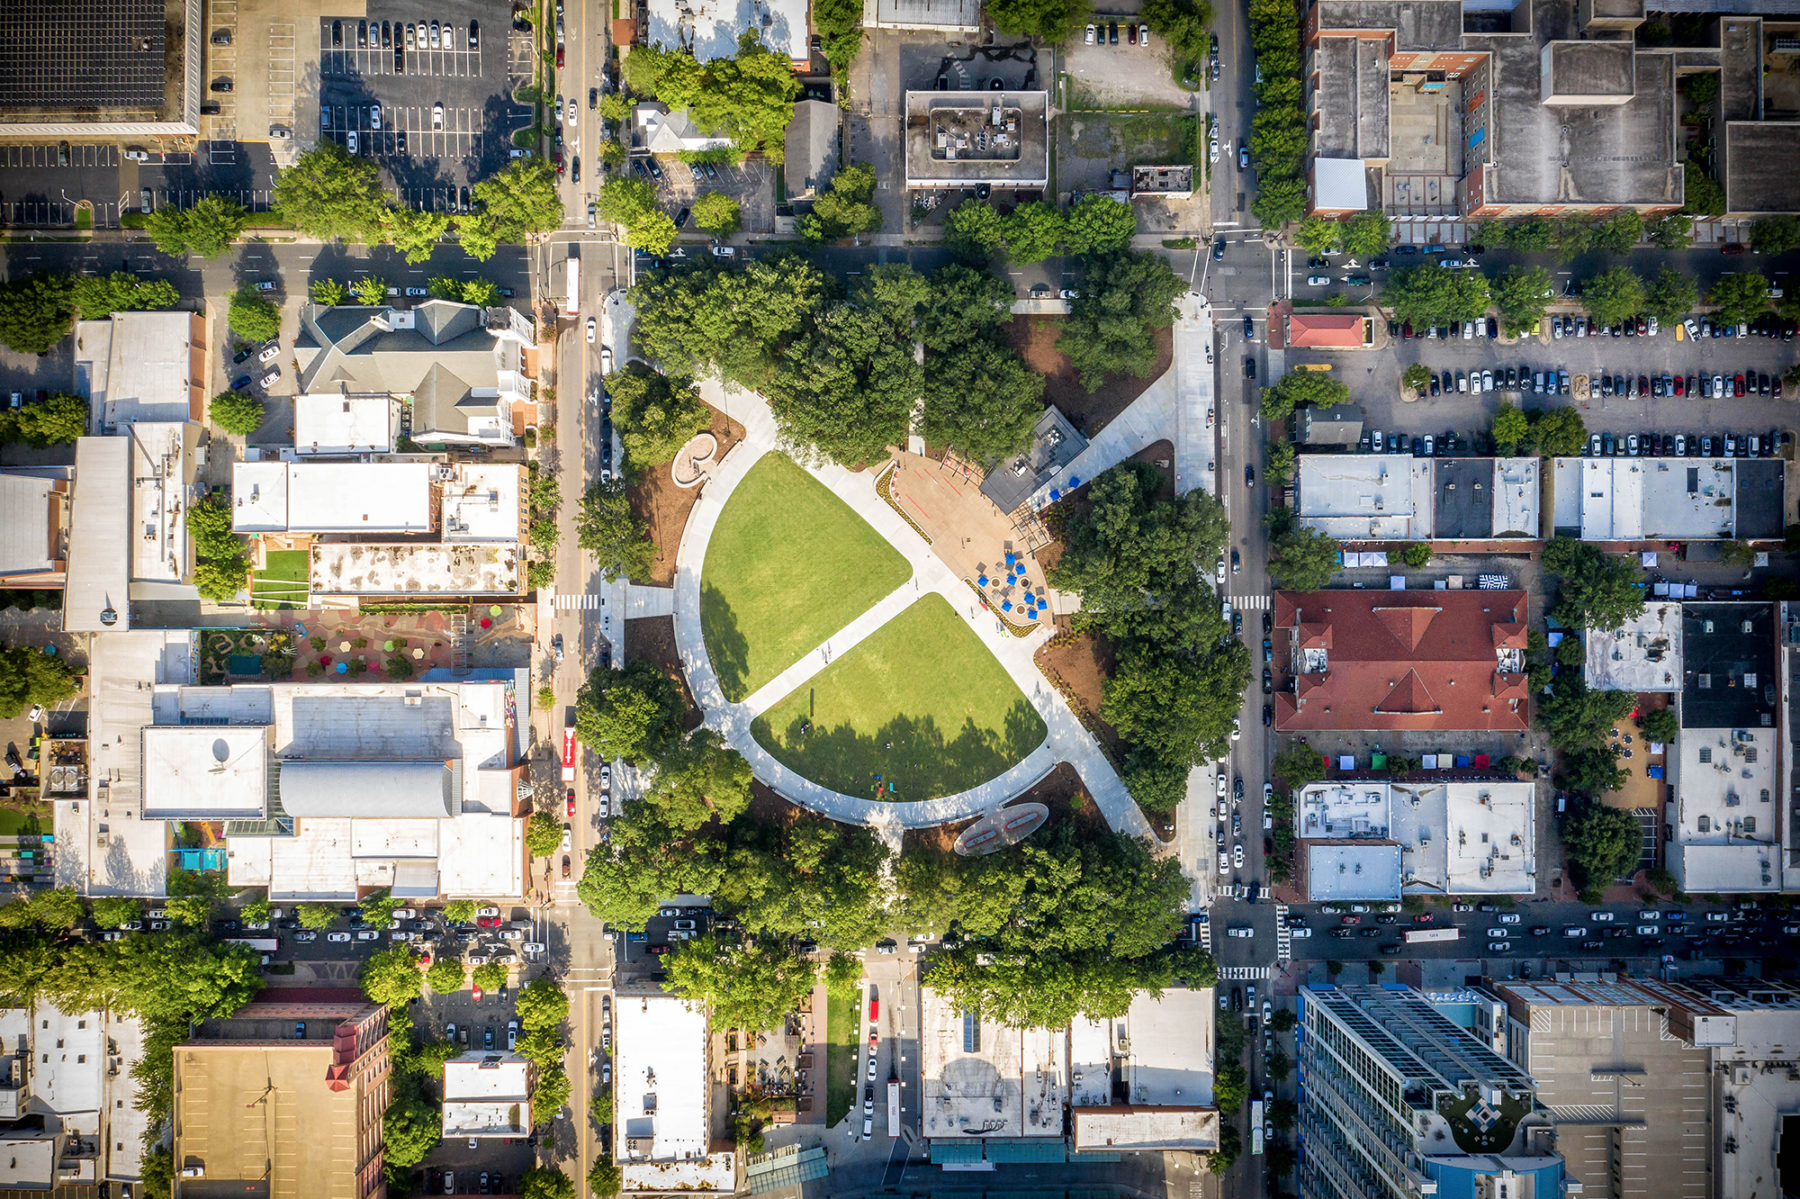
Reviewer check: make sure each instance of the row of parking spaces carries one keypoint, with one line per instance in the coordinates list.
(58, 155)
(440, 144)
(49, 213)
(280, 78)
(257, 199)
(436, 199)
(453, 57)
(399, 118)
(1683, 445)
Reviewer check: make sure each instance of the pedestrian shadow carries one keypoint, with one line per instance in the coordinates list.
(908, 759)
(726, 645)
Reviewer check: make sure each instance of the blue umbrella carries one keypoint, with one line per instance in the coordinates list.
(982, 581)
(1011, 558)
(1055, 495)
(1074, 481)
(1006, 606)
(343, 668)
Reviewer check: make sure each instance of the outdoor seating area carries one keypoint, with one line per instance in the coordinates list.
(1008, 586)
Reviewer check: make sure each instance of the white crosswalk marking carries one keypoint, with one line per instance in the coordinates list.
(588, 603)
(1250, 603)
(1284, 943)
(1245, 973)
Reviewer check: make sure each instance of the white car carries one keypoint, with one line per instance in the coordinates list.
(568, 840)
(1237, 855)
(724, 251)
(350, 141)
(270, 352)
(1221, 787)
(1089, 38)
(368, 934)
(1318, 280)
(606, 360)
(437, 115)
(374, 116)
(490, 910)
(1237, 729)
(272, 377)
(571, 111)
(338, 938)
(1299, 933)
(1497, 932)
(1509, 918)
(1240, 930)
(590, 330)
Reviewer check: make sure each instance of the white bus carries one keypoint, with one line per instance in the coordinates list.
(574, 304)
(1256, 1127)
(893, 1108)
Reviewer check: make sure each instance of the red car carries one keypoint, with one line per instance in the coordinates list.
(487, 922)
(571, 803)
(477, 994)
(1347, 920)
(1422, 918)
(659, 950)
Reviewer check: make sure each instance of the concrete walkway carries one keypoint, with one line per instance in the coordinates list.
(1066, 739)
(1146, 420)
(641, 601)
(1195, 437)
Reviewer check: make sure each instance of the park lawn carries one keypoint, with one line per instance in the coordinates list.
(920, 702)
(843, 1045)
(789, 564)
(283, 582)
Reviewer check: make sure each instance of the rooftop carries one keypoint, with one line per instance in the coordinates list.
(1055, 443)
(1518, 498)
(1126, 1129)
(1328, 331)
(344, 424)
(660, 1080)
(1351, 98)
(374, 570)
(1727, 820)
(141, 366)
(199, 772)
(1167, 1054)
(1352, 870)
(983, 1079)
(1757, 155)
(393, 498)
(1090, 1062)
(96, 595)
(1728, 665)
(1588, 73)
(487, 1094)
(55, 60)
(1402, 660)
(162, 469)
(959, 139)
(1463, 499)
(710, 28)
(482, 501)
(1340, 424)
(962, 15)
(1418, 25)
(1366, 497)
(1468, 838)
(34, 525)
(811, 148)
(1336, 811)
(1643, 654)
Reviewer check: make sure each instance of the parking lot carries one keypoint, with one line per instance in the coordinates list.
(1374, 381)
(445, 111)
(752, 185)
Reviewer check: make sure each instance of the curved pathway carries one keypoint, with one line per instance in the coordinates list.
(1066, 738)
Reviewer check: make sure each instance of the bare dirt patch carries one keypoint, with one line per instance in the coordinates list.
(1035, 338)
(652, 639)
(1079, 664)
(656, 500)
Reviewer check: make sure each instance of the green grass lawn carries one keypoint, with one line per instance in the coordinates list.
(283, 582)
(789, 564)
(843, 1029)
(921, 702)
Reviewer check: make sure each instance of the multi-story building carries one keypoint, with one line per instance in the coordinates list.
(662, 1090)
(1403, 1101)
(1631, 1100)
(284, 1099)
(68, 1099)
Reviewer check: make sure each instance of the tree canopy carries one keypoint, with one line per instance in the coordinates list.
(236, 412)
(974, 230)
(1046, 20)
(1522, 293)
(655, 415)
(1429, 294)
(1596, 590)
(331, 194)
(1302, 558)
(1575, 716)
(1613, 296)
(514, 203)
(99, 296)
(632, 204)
(607, 528)
(1099, 224)
(35, 312)
(1739, 299)
(1302, 389)
(1601, 843)
(1671, 295)
(1033, 231)
(207, 228)
(31, 677)
(251, 316)
(633, 713)
(845, 207)
(1111, 326)
(980, 396)
(718, 214)
(753, 985)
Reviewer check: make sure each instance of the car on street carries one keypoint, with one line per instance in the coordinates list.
(338, 938)
(591, 330)
(1237, 856)
(1318, 280)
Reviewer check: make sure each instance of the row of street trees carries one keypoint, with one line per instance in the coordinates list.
(1429, 294)
(1032, 232)
(38, 310)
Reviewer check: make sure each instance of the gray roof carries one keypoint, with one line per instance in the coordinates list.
(1054, 444)
(347, 349)
(386, 790)
(95, 595)
(812, 145)
(1340, 424)
(442, 403)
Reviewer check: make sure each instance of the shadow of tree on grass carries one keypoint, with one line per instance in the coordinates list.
(725, 643)
(912, 757)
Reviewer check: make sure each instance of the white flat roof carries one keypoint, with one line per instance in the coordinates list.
(68, 1059)
(28, 1161)
(1169, 1061)
(1487, 834)
(1368, 870)
(1364, 497)
(1090, 1061)
(27, 532)
(386, 498)
(1353, 808)
(1152, 1129)
(1518, 498)
(417, 570)
(1341, 184)
(659, 1080)
(1631, 499)
(985, 1079)
(1643, 654)
(343, 424)
(483, 502)
(1726, 810)
(1765, 1103)
(205, 772)
(160, 473)
(137, 366)
(99, 579)
(487, 1094)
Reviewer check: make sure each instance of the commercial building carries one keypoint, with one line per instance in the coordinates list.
(1055, 444)
(1642, 654)
(68, 1100)
(1402, 1100)
(487, 1094)
(462, 501)
(128, 70)
(1399, 497)
(662, 1098)
(1631, 1099)
(656, 130)
(142, 367)
(967, 139)
(317, 791)
(1417, 660)
(285, 1097)
(710, 29)
(1656, 499)
(1374, 840)
(1729, 785)
(933, 16)
(463, 373)
(1140, 1082)
(345, 425)
(34, 527)
(811, 156)
(1329, 331)
(1426, 111)
(1338, 425)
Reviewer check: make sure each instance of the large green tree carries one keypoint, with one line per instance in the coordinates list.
(1671, 295)
(252, 317)
(701, 779)
(845, 208)
(516, 202)
(655, 415)
(1111, 327)
(1613, 296)
(1522, 293)
(1302, 558)
(632, 203)
(1429, 294)
(207, 228)
(1033, 231)
(980, 396)
(1739, 299)
(331, 194)
(633, 713)
(391, 976)
(35, 312)
(1367, 234)
(975, 230)
(1601, 843)
(1302, 389)
(236, 412)
(607, 528)
(416, 234)
(1099, 224)
(740, 322)
(1595, 589)
(753, 986)
(718, 214)
(30, 677)
(1575, 716)
(1048, 21)
(98, 296)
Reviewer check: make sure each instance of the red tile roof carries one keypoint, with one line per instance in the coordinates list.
(1326, 331)
(1402, 660)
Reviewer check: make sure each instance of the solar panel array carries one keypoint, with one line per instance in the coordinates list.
(81, 54)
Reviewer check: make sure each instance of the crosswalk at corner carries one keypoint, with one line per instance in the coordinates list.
(1245, 973)
(586, 603)
(1284, 943)
(1251, 603)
